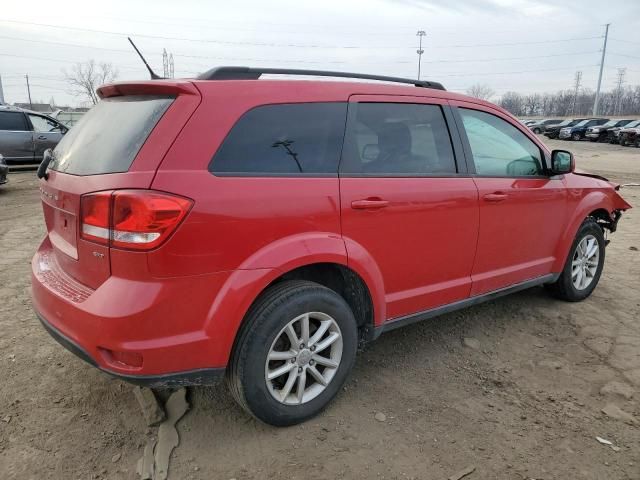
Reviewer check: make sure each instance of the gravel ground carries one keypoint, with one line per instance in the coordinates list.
(512, 389)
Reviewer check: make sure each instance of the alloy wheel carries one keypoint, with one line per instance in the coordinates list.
(585, 262)
(303, 358)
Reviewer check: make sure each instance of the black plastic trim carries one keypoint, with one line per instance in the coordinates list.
(249, 73)
(202, 376)
(467, 302)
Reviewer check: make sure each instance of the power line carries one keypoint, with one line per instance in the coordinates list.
(209, 57)
(288, 45)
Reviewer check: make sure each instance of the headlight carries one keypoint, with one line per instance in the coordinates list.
(595, 130)
(2, 162)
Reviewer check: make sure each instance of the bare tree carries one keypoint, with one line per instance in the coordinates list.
(85, 77)
(481, 91)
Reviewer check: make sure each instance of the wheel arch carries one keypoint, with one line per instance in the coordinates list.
(596, 205)
(321, 258)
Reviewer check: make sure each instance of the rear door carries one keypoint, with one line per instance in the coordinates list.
(16, 140)
(117, 144)
(522, 209)
(46, 134)
(406, 202)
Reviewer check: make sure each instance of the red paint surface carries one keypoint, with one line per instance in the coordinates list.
(434, 241)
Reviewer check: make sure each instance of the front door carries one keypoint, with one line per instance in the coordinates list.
(404, 202)
(46, 134)
(522, 209)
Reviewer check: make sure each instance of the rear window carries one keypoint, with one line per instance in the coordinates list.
(108, 137)
(284, 139)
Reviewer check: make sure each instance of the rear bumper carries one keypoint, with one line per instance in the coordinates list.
(203, 376)
(161, 323)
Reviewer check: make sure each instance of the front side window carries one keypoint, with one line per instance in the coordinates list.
(13, 122)
(42, 124)
(499, 149)
(284, 139)
(398, 139)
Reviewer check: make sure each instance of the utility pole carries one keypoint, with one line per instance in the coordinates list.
(576, 90)
(619, 83)
(29, 92)
(167, 63)
(420, 51)
(604, 51)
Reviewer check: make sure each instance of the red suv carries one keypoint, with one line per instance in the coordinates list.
(263, 229)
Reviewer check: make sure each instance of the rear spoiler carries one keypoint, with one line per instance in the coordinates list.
(156, 87)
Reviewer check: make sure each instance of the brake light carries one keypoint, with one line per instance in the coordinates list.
(131, 219)
(94, 217)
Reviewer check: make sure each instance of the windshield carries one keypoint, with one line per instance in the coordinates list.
(564, 122)
(582, 123)
(108, 137)
(633, 124)
(610, 123)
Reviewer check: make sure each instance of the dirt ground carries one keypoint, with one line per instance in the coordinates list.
(511, 388)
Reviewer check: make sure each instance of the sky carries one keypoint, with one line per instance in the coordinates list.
(510, 45)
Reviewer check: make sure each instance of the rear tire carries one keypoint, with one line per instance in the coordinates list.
(274, 329)
(584, 264)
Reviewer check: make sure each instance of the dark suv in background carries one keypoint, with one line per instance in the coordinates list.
(599, 133)
(552, 131)
(25, 135)
(613, 134)
(578, 131)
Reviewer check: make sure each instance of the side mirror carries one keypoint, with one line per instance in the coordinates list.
(562, 162)
(370, 152)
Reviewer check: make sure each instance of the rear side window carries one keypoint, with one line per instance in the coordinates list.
(109, 136)
(398, 139)
(13, 121)
(284, 139)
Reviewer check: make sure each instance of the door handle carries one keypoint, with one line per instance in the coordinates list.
(42, 137)
(369, 203)
(495, 197)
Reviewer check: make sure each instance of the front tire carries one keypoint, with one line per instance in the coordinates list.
(584, 264)
(294, 352)
(576, 137)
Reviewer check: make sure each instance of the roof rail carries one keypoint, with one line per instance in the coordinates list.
(248, 73)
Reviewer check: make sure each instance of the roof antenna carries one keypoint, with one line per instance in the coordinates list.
(154, 76)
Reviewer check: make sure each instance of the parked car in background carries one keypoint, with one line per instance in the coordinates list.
(600, 133)
(552, 131)
(25, 135)
(630, 136)
(528, 122)
(613, 135)
(578, 131)
(539, 126)
(4, 170)
(194, 232)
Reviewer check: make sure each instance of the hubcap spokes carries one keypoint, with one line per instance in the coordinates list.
(303, 358)
(585, 262)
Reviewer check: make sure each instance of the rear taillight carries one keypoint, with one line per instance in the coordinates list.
(131, 219)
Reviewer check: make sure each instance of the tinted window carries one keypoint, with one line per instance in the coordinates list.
(499, 148)
(12, 121)
(42, 124)
(108, 137)
(303, 138)
(397, 139)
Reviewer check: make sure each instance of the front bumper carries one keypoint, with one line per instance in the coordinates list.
(564, 135)
(593, 135)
